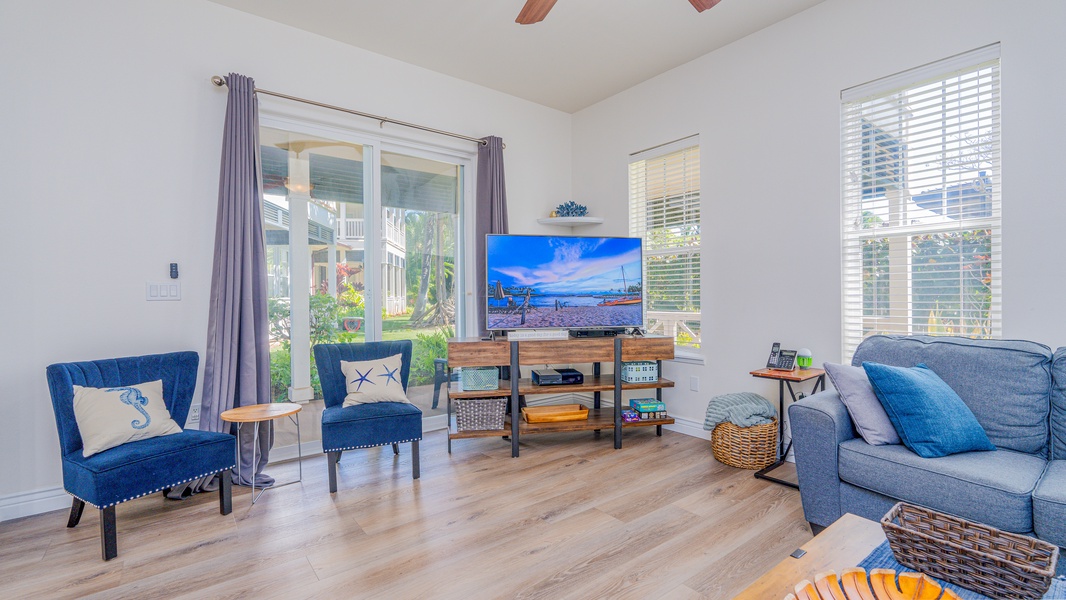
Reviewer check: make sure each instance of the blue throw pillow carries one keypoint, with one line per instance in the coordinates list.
(929, 416)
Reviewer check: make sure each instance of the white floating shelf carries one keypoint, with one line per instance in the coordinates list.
(570, 221)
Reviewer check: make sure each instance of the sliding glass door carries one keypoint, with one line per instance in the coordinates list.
(420, 233)
(362, 244)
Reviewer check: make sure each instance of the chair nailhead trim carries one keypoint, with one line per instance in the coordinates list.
(371, 445)
(153, 491)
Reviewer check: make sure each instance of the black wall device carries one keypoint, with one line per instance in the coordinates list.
(173, 270)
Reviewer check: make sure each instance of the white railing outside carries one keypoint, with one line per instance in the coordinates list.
(669, 323)
(354, 229)
(395, 305)
(395, 234)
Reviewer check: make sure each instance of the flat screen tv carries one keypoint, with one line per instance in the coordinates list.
(563, 282)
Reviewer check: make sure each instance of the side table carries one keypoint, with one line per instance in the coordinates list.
(257, 413)
(786, 378)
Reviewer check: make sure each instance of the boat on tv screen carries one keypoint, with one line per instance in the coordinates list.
(556, 282)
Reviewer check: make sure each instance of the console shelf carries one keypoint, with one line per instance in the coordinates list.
(526, 387)
(478, 353)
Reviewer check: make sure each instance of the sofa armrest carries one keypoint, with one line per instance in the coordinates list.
(819, 423)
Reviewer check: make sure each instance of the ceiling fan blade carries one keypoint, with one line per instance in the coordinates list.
(534, 11)
(702, 5)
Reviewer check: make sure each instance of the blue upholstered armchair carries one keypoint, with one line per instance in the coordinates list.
(364, 425)
(138, 468)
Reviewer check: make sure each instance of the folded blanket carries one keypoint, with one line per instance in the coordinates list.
(743, 410)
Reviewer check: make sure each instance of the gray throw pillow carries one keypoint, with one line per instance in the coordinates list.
(867, 413)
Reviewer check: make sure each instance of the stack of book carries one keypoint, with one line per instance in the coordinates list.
(648, 408)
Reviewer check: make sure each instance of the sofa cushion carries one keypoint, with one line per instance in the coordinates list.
(1058, 405)
(146, 466)
(368, 425)
(1006, 384)
(1049, 504)
(865, 409)
(929, 416)
(994, 488)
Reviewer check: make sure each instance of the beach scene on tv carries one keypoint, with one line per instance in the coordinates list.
(563, 282)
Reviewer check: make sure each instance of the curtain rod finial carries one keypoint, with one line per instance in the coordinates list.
(218, 81)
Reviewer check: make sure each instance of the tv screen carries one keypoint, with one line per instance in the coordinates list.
(562, 282)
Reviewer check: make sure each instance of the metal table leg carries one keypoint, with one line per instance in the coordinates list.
(295, 419)
(764, 472)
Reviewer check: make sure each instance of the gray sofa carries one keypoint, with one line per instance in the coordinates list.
(1017, 391)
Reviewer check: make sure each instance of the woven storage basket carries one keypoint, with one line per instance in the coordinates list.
(977, 557)
(479, 414)
(752, 447)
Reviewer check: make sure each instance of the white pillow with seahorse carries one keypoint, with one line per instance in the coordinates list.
(109, 417)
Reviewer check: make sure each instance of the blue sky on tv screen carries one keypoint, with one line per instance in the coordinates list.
(553, 265)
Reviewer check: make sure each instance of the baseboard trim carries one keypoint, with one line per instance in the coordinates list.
(434, 423)
(27, 504)
(689, 427)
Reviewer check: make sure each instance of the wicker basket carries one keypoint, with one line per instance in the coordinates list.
(977, 557)
(479, 414)
(752, 447)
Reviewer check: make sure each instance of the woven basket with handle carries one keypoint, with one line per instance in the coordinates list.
(977, 557)
(752, 447)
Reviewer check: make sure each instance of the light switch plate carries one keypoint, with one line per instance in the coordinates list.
(165, 291)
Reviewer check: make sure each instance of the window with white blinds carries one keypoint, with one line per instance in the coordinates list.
(664, 210)
(921, 201)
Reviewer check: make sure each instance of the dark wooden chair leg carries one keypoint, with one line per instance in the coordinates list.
(75, 512)
(108, 535)
(395, 448)
(414, 459)
(331, 462)
(225, 492)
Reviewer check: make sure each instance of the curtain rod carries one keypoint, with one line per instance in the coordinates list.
(220, 81)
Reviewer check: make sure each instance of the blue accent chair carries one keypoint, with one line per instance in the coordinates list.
(364, 425)
(138, 468)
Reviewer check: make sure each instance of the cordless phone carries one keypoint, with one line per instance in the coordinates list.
(774, 353)
(781, 360)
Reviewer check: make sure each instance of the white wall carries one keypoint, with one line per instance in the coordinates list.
(112, 137)
(767, 111)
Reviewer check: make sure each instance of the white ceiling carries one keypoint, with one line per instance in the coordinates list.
(583, 52)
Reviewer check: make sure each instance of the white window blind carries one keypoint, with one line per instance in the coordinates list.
(664, 210)
(921, 201)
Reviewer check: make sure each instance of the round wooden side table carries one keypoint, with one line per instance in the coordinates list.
(257, 413)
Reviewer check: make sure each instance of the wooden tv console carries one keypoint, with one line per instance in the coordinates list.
(474, 352)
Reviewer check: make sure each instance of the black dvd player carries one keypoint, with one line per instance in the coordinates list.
(557, 377)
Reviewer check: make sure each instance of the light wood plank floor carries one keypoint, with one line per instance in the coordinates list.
(570, 518)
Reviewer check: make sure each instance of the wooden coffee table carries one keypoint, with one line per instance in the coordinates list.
(842, 545)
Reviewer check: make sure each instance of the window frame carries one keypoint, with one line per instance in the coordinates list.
(688, 198)
(885, 213)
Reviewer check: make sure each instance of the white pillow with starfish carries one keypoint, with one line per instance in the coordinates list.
(110, 417)
(375, 380)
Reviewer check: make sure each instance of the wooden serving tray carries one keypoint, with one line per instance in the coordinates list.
(555, 413)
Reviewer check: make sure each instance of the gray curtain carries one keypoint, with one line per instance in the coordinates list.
(237, 366)
(491, 212)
